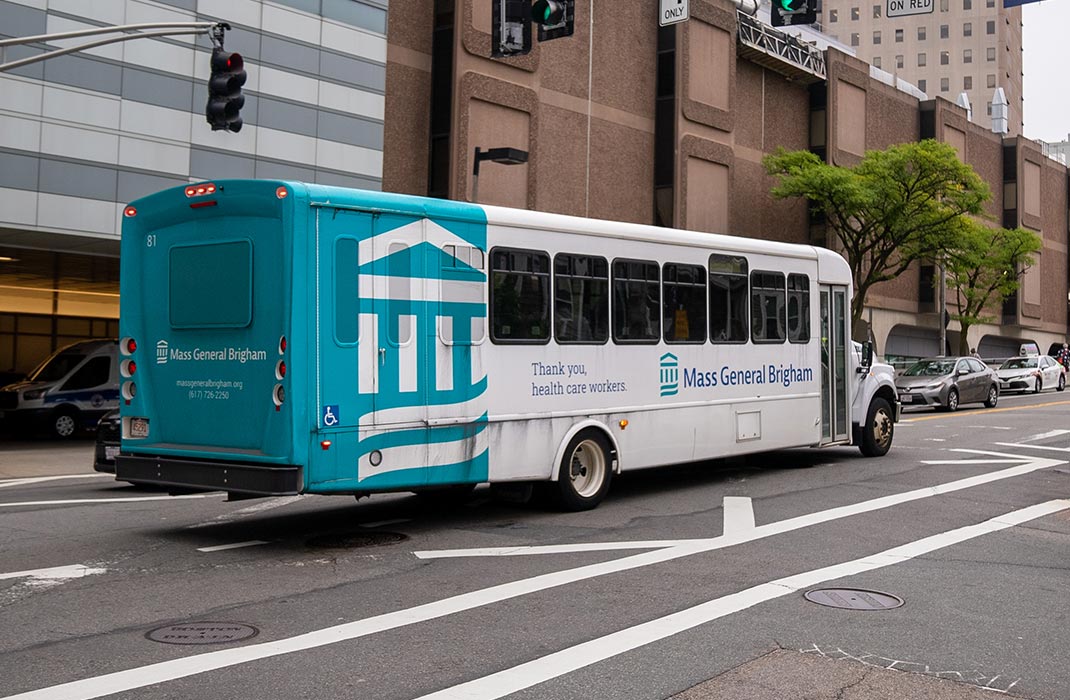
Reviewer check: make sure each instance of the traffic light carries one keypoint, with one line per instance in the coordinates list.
(224, 90)
(790, 12)
(556, 18)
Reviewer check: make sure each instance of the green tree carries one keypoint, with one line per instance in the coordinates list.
(984, 267)
(896, 206)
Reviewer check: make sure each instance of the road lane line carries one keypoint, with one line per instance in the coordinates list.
(84, 501)
(1044, 436)
(56, 573)
(1035, 447)
(23, 481)
(235, 545)
(1031, 464)
(140, 677)
(738, 515)
(248, 510)
(551, 666)
(383, 523)
(987, 411)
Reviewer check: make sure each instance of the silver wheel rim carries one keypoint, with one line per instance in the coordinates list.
(992, 396)
(64, 426)
(587, 468)
(882, 429)
(953, 400)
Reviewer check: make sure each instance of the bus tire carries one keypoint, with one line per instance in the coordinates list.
(64, 423)
(584, 474)
(878, 430)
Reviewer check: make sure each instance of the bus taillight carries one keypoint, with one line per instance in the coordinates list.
(128, 346)
(281, 192)
(278, 395)
(282, 345)
(127, 368)
(280, 370)
(129, 391)
(200, 190)
(130, 212)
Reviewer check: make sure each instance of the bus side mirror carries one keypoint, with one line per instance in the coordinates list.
(867, 353)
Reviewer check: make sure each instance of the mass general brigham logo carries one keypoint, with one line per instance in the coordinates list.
(670, 375)
(161, 352)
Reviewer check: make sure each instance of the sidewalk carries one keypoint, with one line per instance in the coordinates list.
(21, 459)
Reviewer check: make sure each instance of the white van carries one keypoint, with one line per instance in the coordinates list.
(68, 392)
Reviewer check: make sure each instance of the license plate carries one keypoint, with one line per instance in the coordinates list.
(110, 451)
(139, 427)
(906, 398)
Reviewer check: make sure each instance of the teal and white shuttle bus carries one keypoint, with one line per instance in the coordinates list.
(285, 338)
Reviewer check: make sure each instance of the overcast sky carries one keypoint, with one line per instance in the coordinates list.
(1046, 49)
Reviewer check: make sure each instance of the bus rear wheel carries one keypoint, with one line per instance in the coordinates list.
(584, 474)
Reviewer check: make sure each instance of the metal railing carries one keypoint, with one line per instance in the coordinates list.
(781, 52)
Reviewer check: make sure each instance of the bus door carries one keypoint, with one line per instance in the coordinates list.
(835, 421)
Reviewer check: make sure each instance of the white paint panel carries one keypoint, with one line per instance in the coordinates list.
(245, 12)
(285, 22)
(141, 118)
(350, 100)
(353, 41)
(378, 287)
(444, 355)
(164, 57)
(153, 155)
(58, 25)
(479, 332)
(413, 456)
(80, 107)
(437, 414)
(79, 143)
(18, 206)
(284, 145)
(75, 213)
(20, 95)
(283, 84)
(106, 11)
(408, 355)
(368, 355)
(139, 12)
(19, 133)
(350, 159)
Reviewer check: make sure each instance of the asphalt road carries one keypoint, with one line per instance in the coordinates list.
(686, 582)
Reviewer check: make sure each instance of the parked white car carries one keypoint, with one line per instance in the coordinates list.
(1031, 373)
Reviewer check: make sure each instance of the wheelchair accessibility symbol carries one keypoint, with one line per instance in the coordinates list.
(330, 416)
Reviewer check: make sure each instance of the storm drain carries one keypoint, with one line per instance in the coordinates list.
(355, 540)
(853, 599)
(202, 633)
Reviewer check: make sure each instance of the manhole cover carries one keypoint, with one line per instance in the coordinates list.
(203, 633)
(853, 599)
(355, 540)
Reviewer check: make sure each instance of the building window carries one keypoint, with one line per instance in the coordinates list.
(990, 109)
(967, 82)
(921, 33)
(876, 12)
(945, 58)
(967, 4)
(991, 80)
(944, 85)
(854, 39)
(967, 29)
(944, 33)
(921, 59)
(876, 61)
(990, 53)
(990, 4)
(990, 26)
(854, 13)
(877, 37)
(967, 56)
(898, 36)
(899, 61)
(922, 85)
(943, 5)
(833, 16)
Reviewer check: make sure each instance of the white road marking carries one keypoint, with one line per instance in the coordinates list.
(248, 510)
(383, 523)
(87, 501)
(56, 573)
(1044, 436)
(39, 479)
(235, 545)
(565, 661)
(1031, 464)
(738, 515)
(161, 672)
(1035, 447)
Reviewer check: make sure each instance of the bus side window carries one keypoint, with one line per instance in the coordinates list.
(684, 303)
(581, 299)
(519, 296)
(636, 301)
(768, 303)
(798, 308)
(728, 299)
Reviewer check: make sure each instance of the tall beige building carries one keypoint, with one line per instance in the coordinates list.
(971, 46)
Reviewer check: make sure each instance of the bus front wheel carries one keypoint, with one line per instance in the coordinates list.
(878, 430)
(584, 474)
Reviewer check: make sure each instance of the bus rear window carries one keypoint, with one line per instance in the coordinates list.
(211, 285)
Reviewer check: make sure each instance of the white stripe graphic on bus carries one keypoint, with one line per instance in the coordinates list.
(449, 291)
(395, 459)
(432, 233)
(408, 354)
(368, 353)
(447, 413)
(444, 356)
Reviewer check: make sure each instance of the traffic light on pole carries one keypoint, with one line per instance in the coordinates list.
(556, 18)
(224, 91)
(791, 12)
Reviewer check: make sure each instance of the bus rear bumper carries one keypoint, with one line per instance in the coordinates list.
(198, 475)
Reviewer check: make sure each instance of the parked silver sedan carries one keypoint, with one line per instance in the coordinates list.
(947, 382)
(1031, 373)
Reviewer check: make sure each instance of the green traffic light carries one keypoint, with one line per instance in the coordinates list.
(789, 5)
